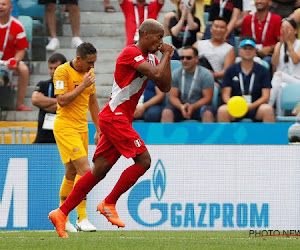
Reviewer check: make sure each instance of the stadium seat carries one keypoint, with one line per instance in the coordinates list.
(31, 8)
(175, 64)
(289, 98)
(206, 16)
(167, 39)
(28, 26)
(215, 97)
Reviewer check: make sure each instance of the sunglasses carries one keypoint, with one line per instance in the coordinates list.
(186, 57)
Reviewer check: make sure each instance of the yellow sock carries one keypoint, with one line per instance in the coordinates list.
(65, 189)
(81, 208)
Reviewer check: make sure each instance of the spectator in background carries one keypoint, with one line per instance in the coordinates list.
(286, 62)
(184, 26)
(248, 7)
(230, 10)
(192, 91)
(13, 43)
(264, 27)
(219, 54)
(296, 16)
(72, 6)
(136, 13)
(43, 97)
(108, 8)
(199, 13)
(283, 8)
(250, 80)
(151, 104)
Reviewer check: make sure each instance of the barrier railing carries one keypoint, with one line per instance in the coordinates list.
(17, 135)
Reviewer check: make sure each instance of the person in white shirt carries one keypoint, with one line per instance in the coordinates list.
(285, 61)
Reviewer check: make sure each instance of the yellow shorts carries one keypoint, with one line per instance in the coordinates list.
(72, 144)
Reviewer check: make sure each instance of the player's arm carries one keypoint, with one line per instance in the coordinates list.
(94, 110)
(160, 74)
(47, 103)
(66, 98)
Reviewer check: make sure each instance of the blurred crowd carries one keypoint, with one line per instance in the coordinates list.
(223, 48)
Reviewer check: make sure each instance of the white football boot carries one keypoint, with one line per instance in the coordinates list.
(70, 228)
(85, 226)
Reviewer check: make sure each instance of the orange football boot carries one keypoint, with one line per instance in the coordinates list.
(109, 211)
(58, 218)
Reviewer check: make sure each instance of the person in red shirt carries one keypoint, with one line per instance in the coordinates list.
(264, 27)
(136, 13)
(135, 65)
(13, 43)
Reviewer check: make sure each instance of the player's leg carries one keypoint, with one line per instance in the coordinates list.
(66, 188)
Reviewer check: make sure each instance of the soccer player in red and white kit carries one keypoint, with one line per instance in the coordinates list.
(135, 65)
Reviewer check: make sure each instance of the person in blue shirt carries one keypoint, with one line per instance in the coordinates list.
(250, 80)
(192, 90)
(151, 104)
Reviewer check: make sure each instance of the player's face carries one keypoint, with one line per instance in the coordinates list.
(87, 63)
(5, 8)
(155, 41)
(52, 67)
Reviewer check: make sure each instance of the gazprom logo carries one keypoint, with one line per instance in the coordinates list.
(142, 191)
(187, 215)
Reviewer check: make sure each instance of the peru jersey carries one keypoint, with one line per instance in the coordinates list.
(128, 84)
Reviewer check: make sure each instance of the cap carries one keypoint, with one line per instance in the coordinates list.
(247, 42)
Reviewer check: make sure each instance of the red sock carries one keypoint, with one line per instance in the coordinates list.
(127, 179)
(79, 192)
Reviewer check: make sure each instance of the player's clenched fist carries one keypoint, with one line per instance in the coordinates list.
(88, 79)
(167, 48)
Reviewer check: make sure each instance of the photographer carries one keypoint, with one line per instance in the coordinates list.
(184, 26)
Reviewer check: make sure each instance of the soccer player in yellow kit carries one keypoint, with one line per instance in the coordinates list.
(75, 91)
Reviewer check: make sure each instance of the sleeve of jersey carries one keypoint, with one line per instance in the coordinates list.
(21, 40)
(60, 81)
(133, 57)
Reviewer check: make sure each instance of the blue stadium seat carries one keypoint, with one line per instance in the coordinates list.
(31, 8)
(175, 64)
(167, 39)
(206, 16)
(289, 98)
(28, 26)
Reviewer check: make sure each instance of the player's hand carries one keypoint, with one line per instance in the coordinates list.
(167, 48)
(97, 137)
(88, 79)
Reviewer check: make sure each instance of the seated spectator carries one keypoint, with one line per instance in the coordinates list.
(184, 26)
(286, 62)
(250, 80)
(219, 54)
(230, 10)
(199, 13)
(192, 91)
(151, 104)
(248, 7)
(264, 27)
(72, 6)
(13, 43)
(296, 16)
(136, 13)
(283, 8)
(43, 97)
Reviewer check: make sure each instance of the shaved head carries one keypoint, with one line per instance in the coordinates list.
(151, 26)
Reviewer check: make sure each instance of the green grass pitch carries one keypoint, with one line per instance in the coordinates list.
(143, 240)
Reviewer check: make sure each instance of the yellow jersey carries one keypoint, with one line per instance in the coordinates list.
(73, 115)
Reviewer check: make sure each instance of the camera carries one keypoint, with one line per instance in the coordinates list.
(187, 4)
